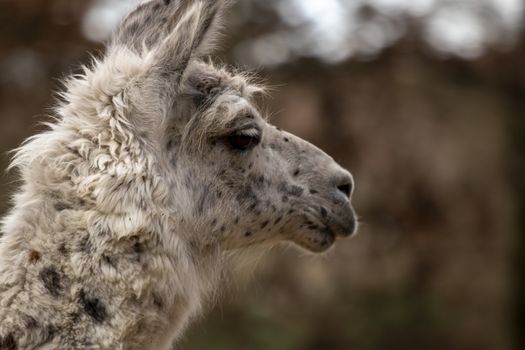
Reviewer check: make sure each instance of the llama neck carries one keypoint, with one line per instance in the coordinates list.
(108, 279)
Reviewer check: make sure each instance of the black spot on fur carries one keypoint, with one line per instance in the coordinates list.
(261, 179)
(247, 195)
(167, 2)
(157, 301)
(324, 213)
(62, 249)
(284, 199)
(156, 7)
(278, 220)
(30, 322)
(236, 221)
(8, 342)
(314, 192)
(60, 206)
(296, 191)
(93, 307)
(264, 224)
(247, 234)
(87, 343)
(73, 317)
(296, 172)
(111, 261)
(138, 248)
(291, 190)
(286, 139)
(85, 245)
(34, 256)
(51, 279)
(201, 202)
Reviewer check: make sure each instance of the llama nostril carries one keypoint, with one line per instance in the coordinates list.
(346, 189)
(345, 184)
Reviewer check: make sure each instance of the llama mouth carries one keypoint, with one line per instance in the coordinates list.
(319, 232)
(333, 231)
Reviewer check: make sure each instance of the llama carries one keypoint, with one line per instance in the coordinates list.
(156, 170)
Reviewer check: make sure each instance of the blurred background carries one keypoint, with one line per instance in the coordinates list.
(423, 100)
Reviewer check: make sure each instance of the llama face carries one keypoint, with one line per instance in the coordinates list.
(235, 179)
(248, 181)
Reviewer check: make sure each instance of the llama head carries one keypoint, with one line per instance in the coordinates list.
(234, 179)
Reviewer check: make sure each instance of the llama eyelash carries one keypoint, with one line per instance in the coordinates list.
(244, 140)
(252, 132)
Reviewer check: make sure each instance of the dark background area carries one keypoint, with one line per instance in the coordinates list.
(431, 125)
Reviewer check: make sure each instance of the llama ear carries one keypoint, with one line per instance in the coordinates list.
(186, 30)
(171, 32)
(193, 37)
(148, 24)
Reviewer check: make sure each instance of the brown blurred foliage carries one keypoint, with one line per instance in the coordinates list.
(436, 147)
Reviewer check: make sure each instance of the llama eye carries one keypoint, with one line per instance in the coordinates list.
(243, 141)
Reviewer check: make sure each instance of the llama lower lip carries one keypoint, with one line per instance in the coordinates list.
(329, 238)
(321, 239)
